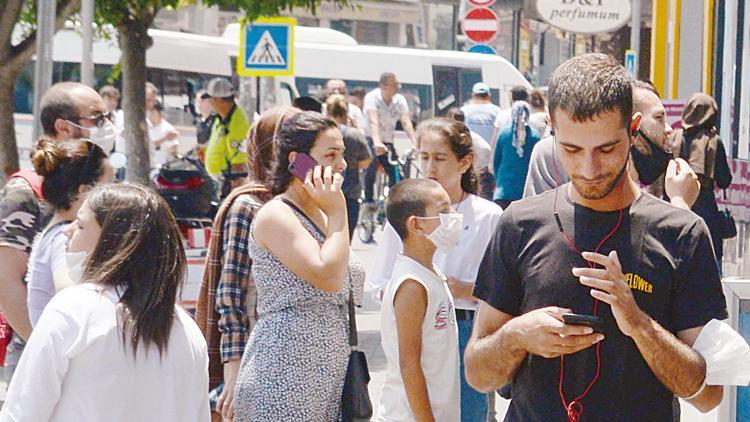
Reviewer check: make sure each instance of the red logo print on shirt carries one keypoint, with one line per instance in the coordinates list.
(443, 315)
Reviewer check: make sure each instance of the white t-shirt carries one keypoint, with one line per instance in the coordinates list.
(462, 262)
(157, 131)
(388, 114)
(504, 117)
(119, 122)
(47, 257)
(76, 368)
(439, 358)
(482, 151)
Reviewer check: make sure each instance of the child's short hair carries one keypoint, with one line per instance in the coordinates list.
(408, 198)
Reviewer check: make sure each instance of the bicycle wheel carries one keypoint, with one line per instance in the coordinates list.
(366, 225)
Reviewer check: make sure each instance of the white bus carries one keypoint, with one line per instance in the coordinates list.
(180, 64)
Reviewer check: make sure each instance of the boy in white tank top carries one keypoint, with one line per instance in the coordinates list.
(418, 323)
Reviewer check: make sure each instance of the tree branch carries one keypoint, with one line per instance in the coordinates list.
(11, 11)
(21, 53)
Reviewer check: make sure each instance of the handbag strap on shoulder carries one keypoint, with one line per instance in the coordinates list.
(353, 341)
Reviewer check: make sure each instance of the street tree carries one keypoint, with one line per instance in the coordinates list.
(18, 15)
(132, 18)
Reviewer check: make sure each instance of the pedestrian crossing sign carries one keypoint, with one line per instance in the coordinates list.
(267, 47)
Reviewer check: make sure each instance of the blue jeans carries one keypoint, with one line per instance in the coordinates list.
(473, 403)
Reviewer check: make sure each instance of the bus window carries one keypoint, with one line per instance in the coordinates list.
(445, 80)
(453, 86)
(467, 80)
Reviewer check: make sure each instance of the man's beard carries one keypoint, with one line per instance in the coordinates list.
(594, 193)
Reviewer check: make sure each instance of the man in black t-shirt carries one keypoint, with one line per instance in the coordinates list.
(595, 246)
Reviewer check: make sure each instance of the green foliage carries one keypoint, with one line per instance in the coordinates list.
(124, 12)
(256, 8)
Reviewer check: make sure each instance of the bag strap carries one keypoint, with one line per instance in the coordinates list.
(302, 213)
(353, 340)
(33, 179)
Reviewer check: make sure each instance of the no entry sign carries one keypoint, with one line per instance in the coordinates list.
(480, 25)
(481, 3)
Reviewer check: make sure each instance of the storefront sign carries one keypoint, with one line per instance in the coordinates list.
(585, 16)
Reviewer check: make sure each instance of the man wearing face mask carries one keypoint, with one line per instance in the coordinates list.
(651, 151)
(69, 110)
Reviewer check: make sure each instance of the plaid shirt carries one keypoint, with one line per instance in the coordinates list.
(235, 294)
(206, 313)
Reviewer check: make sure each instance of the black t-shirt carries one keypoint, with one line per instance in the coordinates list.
(667, 258)
(356, 150)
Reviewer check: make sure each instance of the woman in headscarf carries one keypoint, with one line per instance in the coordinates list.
(226, 305)
(700, 145)
(510, 161)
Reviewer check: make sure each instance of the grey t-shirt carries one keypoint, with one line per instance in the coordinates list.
(480, 118)
(545, 170)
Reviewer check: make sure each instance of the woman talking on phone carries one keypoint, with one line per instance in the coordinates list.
(295, 361)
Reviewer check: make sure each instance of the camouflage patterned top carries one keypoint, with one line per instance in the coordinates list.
(22, 216)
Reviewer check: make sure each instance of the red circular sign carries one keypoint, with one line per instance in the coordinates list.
(480, 25)
(482, 3)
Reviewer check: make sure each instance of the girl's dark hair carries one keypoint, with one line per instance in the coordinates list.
(139, 253)
(66, 166)
(458, 137)
(262, 140)
(298, 134)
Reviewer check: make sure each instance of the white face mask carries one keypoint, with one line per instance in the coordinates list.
(103, 136)
(76, 262)
(446, 236)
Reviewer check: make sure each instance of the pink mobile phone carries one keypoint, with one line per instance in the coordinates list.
(301, 165)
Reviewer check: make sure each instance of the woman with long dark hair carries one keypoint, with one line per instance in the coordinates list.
(116, 347)
(70, 169)
(226, 305)
(295, 361)
(446, 156)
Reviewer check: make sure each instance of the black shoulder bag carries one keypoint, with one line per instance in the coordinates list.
(355, 398)
(727, 228)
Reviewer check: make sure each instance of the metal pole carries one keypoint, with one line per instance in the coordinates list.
(635, 29)
(87, 62)
(454, 32)
(43, 67)
(516, 36)
(729, 43)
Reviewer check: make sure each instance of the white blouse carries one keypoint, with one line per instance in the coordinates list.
(75, 367)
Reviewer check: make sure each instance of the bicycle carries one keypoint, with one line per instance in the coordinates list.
(372, 214)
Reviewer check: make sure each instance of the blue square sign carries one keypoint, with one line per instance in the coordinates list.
(267, 48)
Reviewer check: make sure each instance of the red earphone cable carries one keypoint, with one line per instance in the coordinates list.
(574, 409)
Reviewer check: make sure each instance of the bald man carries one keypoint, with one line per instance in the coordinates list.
(69, 110)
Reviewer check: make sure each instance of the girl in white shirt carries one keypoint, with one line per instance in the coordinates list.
(69, 169)
(115, 347)
(446, 156)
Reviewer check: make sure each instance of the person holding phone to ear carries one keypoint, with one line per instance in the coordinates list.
(295, 360)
